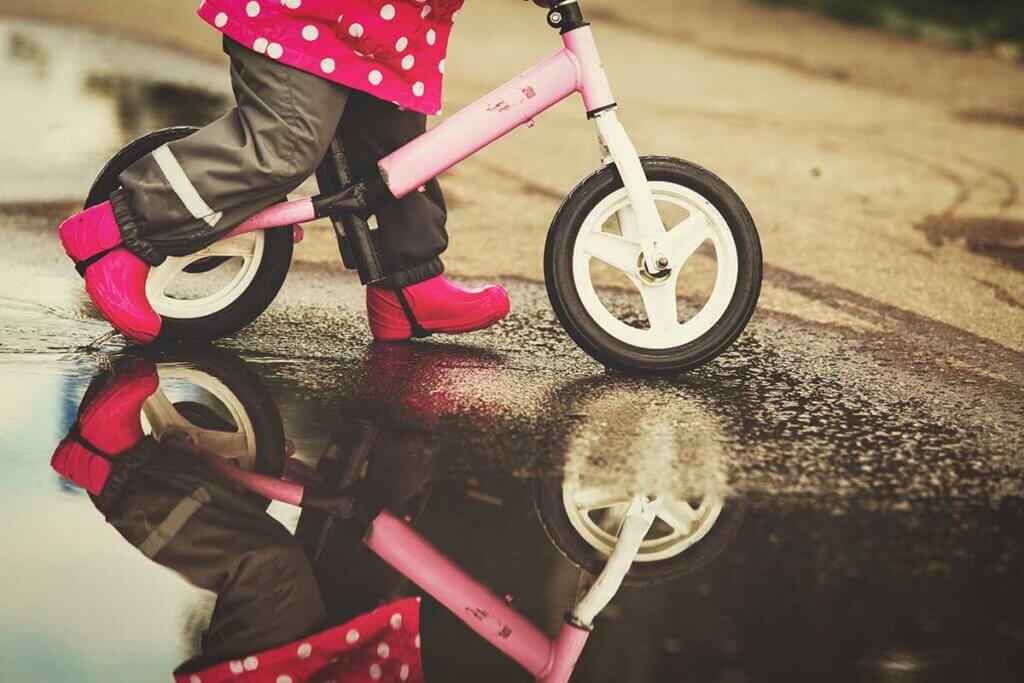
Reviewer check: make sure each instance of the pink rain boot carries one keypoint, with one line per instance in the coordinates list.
(437, 305)
(108, 425)
(115, 278)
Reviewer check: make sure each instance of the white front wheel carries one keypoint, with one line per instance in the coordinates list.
(630, 318)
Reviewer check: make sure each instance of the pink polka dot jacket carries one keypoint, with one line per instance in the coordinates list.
(392, 49)
(380, 647)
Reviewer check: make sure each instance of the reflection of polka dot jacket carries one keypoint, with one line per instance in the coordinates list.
(393, 49)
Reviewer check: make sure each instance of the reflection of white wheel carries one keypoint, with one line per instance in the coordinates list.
(597, 513)
(630, 318)
(201, 408)
(629, 438)
(212, 399)
(178, 290)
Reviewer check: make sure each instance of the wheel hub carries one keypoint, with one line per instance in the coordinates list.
(647, 276)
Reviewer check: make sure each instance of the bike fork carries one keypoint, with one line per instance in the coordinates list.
(617, 148)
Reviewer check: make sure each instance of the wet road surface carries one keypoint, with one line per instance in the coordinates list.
(856, 497)
(871, 499)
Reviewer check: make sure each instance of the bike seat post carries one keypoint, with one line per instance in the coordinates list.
(355, 240)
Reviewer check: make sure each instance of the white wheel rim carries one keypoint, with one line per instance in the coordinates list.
(596, 513)
(247, 247)
(160, 417)
(659, 299)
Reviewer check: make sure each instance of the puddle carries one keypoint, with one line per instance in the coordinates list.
(774, 586)
(75, 97)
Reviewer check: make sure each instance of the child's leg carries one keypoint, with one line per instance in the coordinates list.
(411, 232)
(417, 299)
(193, 191)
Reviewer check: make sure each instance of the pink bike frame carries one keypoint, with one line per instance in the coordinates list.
(577, 68)
(488, 615)
(491, 617)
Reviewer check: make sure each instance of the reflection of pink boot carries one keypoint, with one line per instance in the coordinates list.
(115, 278)
(435, 305)
(108, 425)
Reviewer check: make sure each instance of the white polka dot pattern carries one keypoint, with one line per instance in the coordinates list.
(393, 49)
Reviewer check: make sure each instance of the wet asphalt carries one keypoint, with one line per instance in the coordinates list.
(873, 488)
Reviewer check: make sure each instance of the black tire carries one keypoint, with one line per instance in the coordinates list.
(565, 299)
(277, 253)
(256, 400)
(555, 520)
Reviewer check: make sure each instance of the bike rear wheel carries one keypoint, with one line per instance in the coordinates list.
(214, 292)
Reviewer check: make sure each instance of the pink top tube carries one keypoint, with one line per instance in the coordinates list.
(577, 68)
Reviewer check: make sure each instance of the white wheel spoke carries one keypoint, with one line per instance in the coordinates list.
(224, 444)
(687, 236)
(161, 276)
(161, 414)
(243, 245)
(618, 252)
(678, 514)
(596, 498)
(626, 219)
(661, 305)
(616, 515)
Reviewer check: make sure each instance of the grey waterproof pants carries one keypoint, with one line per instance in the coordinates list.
(190, 193)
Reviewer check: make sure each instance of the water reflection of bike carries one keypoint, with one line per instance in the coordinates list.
(208, 528)
(621, 446)
(214, 427)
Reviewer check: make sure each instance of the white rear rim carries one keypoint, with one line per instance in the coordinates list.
(597, 513)
(161, 417)
(174, 293)
(658, 296)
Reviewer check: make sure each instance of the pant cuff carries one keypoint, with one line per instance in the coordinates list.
(130, 228)
(415, 274)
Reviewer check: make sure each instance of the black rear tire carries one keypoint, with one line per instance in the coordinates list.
(585, 331)
(276, 260)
